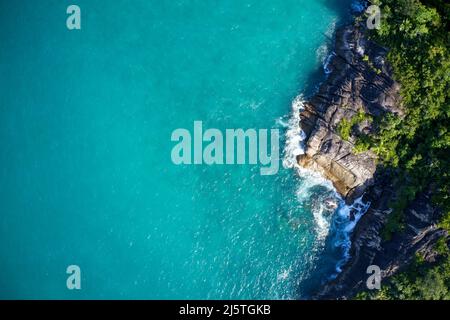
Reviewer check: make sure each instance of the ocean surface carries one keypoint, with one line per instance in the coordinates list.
(86, 176)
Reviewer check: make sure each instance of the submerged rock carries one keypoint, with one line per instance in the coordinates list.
(331, 203)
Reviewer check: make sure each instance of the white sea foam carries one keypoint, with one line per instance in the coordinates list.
(327, 63)
(346, 220)
(314, 190)
(283, 275)
(294, 146)
(323, 53)
(360, 50)
(307, 192)
(295, 136)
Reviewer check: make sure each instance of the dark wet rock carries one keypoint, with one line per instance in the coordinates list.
(353, 86)
(369, 248)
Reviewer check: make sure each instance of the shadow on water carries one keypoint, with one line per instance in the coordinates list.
(340, 7)
(325, 266)
(343, 9)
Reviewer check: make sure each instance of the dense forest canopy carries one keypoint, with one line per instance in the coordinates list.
(416, 147)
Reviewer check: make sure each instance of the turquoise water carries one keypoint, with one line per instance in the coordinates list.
(86, 176)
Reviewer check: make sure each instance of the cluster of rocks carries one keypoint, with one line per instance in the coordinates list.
(360, 80)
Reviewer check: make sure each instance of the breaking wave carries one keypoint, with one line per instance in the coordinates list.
(332, 216)
(346, 218)
(295, 137)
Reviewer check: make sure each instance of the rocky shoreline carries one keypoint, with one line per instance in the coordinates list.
(360, 81)
(353, 86)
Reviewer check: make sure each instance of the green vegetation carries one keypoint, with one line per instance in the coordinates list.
(370, 64)
(417, 146)
(345, 127)
(419, 282)
(362, 143)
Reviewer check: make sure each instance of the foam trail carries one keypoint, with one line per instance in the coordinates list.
(294, 146)
(327, 63)
(342, 220)
(315, 188)
(295, 136)
(346, 220)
